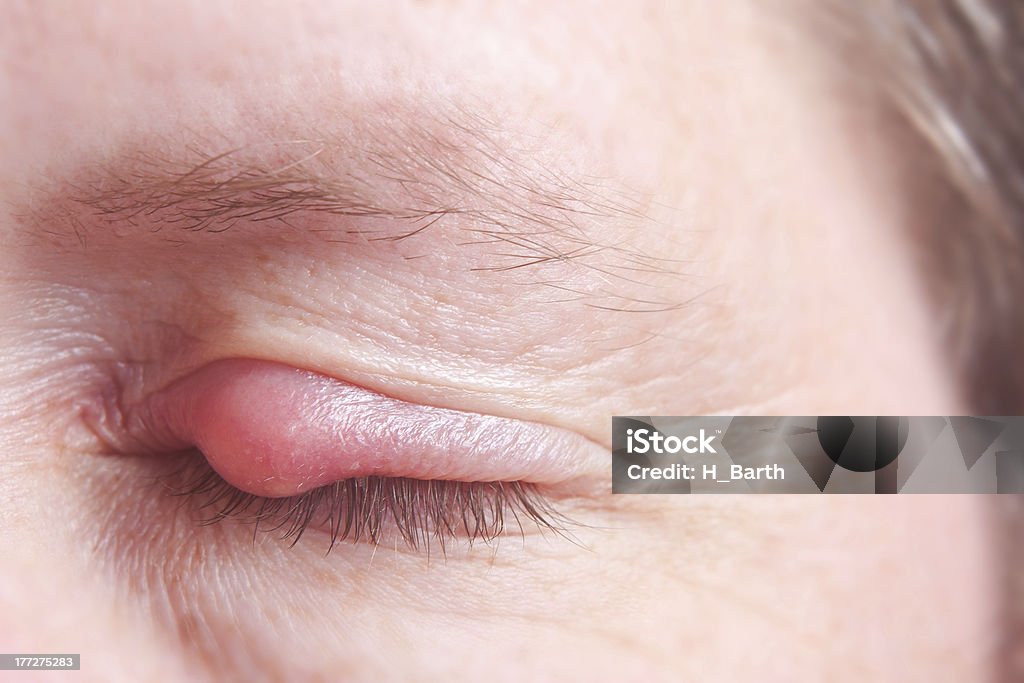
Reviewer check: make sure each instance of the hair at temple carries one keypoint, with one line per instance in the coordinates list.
(951, 73)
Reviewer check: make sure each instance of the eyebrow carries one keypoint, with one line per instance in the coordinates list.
(387, 184)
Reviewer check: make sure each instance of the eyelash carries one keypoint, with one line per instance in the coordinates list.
(423, 513)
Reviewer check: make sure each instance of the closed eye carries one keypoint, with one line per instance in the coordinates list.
(288, 451)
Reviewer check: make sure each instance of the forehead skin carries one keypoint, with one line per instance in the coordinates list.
(763, 240)
(751, 259)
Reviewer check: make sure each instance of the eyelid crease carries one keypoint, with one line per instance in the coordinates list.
(424, 513)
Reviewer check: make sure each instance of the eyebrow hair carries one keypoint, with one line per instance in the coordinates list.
(407, 181)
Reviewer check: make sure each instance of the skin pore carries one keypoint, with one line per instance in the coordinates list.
(546, 214)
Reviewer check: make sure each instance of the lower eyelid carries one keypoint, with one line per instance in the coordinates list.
(426, 515)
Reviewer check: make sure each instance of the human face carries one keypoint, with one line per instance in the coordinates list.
(533, 213)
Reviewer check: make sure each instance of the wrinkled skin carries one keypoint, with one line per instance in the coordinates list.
(761, 265)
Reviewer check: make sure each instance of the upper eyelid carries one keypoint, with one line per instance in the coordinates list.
(273, 429)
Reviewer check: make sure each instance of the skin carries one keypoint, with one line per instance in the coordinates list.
(770, 206)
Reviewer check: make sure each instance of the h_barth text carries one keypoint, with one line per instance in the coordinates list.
(706, 472)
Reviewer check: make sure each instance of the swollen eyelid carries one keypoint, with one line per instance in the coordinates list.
(287, 450)
(274, 430)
